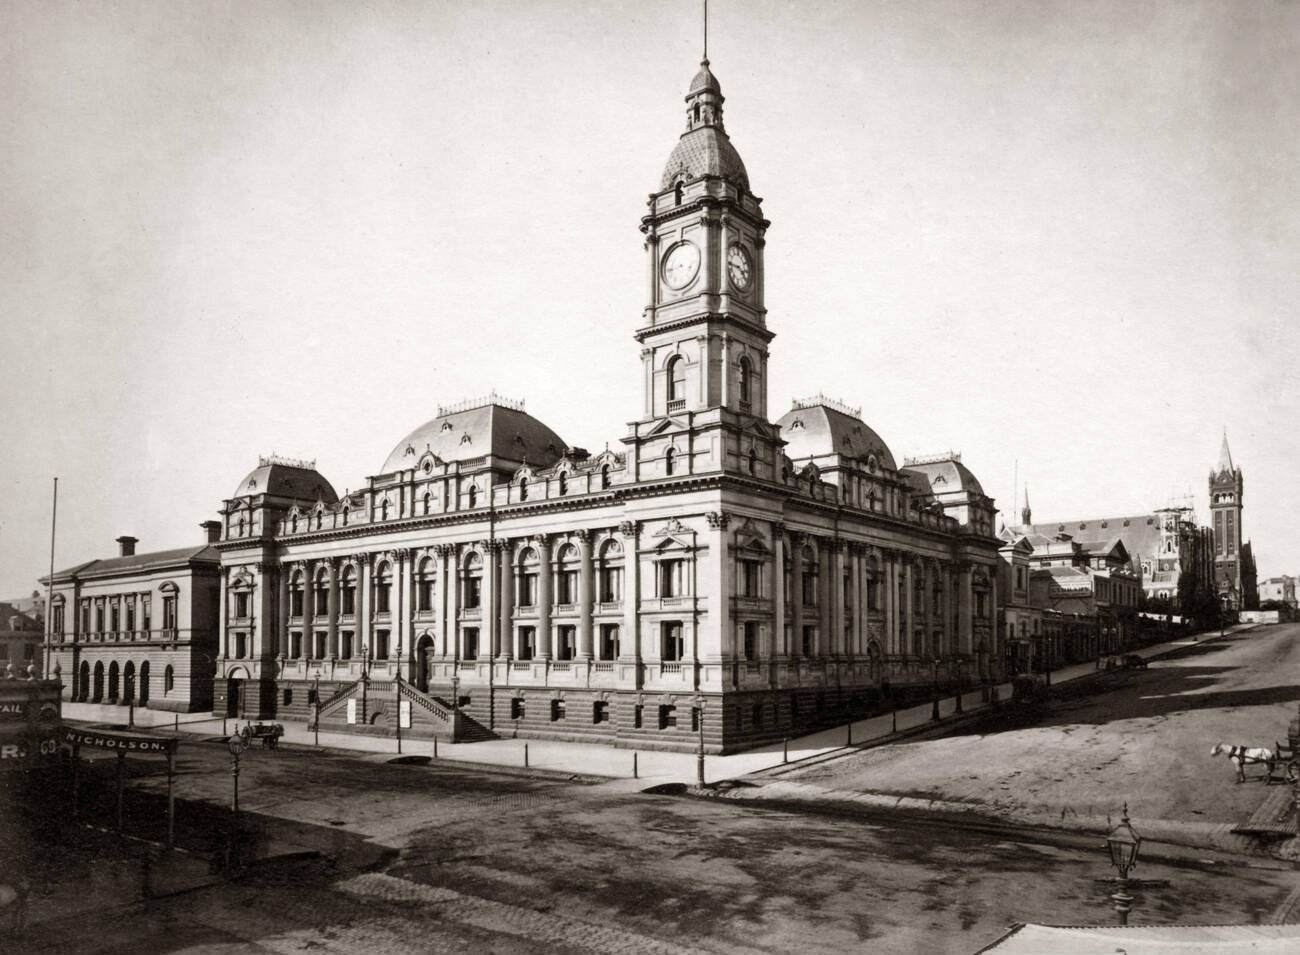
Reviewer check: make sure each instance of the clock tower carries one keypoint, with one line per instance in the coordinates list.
(1225, 507)
(703, 336)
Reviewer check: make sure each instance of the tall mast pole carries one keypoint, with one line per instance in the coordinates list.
(49, 588)
(706, 31)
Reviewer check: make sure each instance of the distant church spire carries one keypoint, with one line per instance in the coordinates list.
(1025, 513)
(1225, 456)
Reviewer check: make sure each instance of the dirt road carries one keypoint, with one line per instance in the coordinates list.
(1144, 739)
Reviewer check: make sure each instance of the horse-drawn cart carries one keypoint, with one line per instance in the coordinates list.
(268, 733)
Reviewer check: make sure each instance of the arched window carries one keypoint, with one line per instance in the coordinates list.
(424, 587)
(296, 595)
(345, 515)
(753, 460)
(526, 581)
(348, 592)
(169, 679)
(746, 382)
(569, 564)
(321, 593)
(293, 523)
(677, 192)
(319, 516)
(564, 483)
(523, 489)
(241, 527)
(472, 582)
(677, 379)
(383, 509)
(604, 476)
(670, 457)
(428, 499)
(473, 496)
(609, 582)
(383, 589)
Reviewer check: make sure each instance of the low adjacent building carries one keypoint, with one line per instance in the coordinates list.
(139, 628)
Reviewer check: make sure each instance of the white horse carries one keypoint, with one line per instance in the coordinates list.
(1241, 755)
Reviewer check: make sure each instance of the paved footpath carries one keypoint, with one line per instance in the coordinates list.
(616, 763)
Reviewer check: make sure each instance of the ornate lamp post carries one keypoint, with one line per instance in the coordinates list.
(455, 702)
(237, 744)
(365, 680)
(699, 753)
(1123, 845)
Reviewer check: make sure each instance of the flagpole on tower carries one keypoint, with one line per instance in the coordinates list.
(49, 589)
(706, 31)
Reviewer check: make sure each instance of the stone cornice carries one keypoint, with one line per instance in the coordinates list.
(710, 318)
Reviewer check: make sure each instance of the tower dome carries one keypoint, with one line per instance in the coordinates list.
(704, 149)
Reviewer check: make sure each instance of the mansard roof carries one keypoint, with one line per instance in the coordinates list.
(280, 477)
(492, 426)
(819, 427)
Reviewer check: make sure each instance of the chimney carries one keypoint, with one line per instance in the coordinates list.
(127, 546)
(211, 531)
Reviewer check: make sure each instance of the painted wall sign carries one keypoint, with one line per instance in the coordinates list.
(28, 749)
(122, 742)
(13, 710)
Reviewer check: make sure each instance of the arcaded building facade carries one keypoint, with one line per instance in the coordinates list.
(769, 575)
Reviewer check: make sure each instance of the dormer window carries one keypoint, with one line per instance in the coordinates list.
(564, 483)
(523, 489)
(677, 192)
(446, 426)
(669, 460)
(604, 476)
(473, 496)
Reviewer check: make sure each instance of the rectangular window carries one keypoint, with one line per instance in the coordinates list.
(288, 696)
(600, 712)
(809, 641)
(670, 578)
(637, 712)
(58, 619)
(671, 636)
(113, 617)
(241, 645)
(517, 708)
(473, 592)
(751, 640)
(381, 598)
(557, 710)
(611, 584)
(471, 643)
(347, 601)
(295, 603)
(568, 642)
(381, 644)
(751, 572)
(527, 643)
(568, 587)
(810, 589)
(295, 645)
(527, 590)
(241, 605)
(99, 618)
(85, 618)
(424, 595)
(609, 641)
(345, 644)
(667, 717)
(130, 615)
(169, 613)
(144, 614)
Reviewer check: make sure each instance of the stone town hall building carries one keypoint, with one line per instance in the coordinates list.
(492, 576)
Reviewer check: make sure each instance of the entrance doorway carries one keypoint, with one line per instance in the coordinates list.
(234, 697)
(144, 683)
(422, 651)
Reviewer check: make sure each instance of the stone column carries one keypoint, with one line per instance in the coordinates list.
(399, 606)
(835, 638)
(283, 573)
(487, 614)
(776, 642)
(586, 575)
(966, 630)
(630, 639)
(716, 579)
(309, 609)
(909, 609)
(332, 619)
(726, 341)
(223, 613)
(796, 595)
(364, 632)
(505, 626)
(543, 543)
(857, 643)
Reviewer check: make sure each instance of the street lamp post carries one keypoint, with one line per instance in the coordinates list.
(365, 680)
(455, 702)
(1123, 845)
(236, 745)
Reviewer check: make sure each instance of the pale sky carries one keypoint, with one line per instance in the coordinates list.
(1063, 233)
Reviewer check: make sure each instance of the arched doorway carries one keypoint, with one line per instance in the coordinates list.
(128, 682)
(99, 682)
(423, 650)
(112, 682)
(235, 691)
(144, 683)
(83, 681)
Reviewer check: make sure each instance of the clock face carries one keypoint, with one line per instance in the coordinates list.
(738, 267)
(681, 265)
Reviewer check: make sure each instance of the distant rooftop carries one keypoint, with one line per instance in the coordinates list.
(820, 400)
(469, 404)
(932, 459)
(264, 461)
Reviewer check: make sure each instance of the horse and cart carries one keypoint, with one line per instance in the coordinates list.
(1281, 764)
(268, 733)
